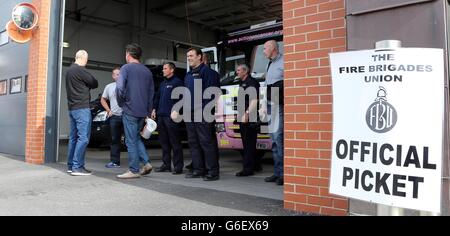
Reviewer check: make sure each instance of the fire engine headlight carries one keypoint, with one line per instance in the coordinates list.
(102, 116)
(220, 127)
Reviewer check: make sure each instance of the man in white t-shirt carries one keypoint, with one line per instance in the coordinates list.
(115, 119)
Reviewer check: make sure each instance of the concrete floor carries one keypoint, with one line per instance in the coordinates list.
(47, 190)
(230, 163)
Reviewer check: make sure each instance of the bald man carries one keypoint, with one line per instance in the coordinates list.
(79, 82)
(275, 108)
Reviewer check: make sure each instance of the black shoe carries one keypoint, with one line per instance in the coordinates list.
(81, 172)
(280, 181)
(189, 167)
(272, 178)
(258, 168)
(244, 173)
(211, 177)
(177, 172)
(163, 169)
(193, 175)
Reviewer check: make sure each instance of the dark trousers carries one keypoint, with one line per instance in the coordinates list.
(169, 137)
(248, 135)
(116, 124)
(204, 149)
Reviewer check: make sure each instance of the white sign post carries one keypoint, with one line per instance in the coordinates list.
(388, 111)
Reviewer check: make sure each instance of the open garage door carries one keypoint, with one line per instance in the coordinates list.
(165, 30)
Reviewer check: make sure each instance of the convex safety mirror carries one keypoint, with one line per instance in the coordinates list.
(25, 16)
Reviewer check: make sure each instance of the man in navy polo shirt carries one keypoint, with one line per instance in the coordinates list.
(201, 133)
(169, 131)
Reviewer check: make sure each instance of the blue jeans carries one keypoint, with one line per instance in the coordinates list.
(136, 149)
(277, 121)
(80, 132)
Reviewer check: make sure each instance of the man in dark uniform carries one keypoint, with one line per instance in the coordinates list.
(169, 131)
(201, 133)
(247, 118)
(205, 61)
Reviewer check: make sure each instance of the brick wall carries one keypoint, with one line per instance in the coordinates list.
(312, 30)
(37, 86)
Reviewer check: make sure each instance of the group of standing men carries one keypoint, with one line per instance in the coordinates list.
(132, 99)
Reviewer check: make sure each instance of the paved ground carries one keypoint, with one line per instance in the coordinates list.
(47, 190)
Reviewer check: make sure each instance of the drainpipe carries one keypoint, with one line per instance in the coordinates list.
(383, 210)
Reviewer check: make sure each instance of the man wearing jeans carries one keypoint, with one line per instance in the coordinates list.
(275, 108)
(79, 82)
(135, 91)
(115, 119)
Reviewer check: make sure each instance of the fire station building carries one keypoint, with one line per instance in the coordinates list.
(31, 118)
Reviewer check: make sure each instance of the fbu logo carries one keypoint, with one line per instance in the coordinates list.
(381, 117)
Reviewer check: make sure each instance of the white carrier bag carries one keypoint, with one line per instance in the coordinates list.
(149, 128)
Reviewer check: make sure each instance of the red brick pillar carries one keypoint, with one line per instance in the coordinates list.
(312, 30)
(37, 86)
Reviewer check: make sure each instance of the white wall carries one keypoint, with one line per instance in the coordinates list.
(107, 44)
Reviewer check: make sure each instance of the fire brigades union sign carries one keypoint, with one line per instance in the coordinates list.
(388, 122)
